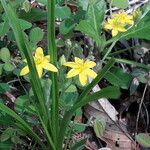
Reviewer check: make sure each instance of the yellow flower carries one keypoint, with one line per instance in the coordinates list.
(41, 62)
(124, 18)
(81, 68)
(115, 26)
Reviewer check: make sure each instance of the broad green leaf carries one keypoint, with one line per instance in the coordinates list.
(42, 1)
(120, 3)
(93, 24)
(8, 67)
(62, 12)
(118, 77)
(21, 103)
(79, 127)
(84, 4)
(5, 54)
(4, 87)
(25, 24)
(143, 139)
(33, 15)
(36, 35)
(4, 28)
(99, 127)
(66, 26)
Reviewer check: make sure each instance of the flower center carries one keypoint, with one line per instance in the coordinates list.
(38, 60)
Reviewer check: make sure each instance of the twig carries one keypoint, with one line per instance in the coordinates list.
(139, 111)
(140, 106)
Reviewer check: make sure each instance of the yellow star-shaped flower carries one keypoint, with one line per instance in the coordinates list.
(81, 68)
(124, 18)
(115, 26)
(41, 62)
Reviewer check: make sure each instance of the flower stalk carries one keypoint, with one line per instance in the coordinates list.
(52, 50)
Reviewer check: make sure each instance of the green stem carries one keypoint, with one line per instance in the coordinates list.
(53, 55)
(108, 51)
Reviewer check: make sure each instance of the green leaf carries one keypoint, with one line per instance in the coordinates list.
(143, 139)
(84, 4)
(42, 1)
(36, 35)
(7, 145)
(120, 3)
(62, 12)
(8, 133)
(5, 54)
(21, 103)
(26, 6)
(118, 77)
(33, 15)
(79, 145)
(1, 69)
(4, 87)
(25, 24)
(99, 127)
(66, 26)
(79, 127)
(4, 28)
(108, 92)
(8, 67)
(93, 24)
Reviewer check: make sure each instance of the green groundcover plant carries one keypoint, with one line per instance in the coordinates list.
(52, 122)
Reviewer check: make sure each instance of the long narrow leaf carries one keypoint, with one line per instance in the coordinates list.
(25, 49)
(27, 128)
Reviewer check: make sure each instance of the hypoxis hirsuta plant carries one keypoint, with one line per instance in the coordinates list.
(53, 124)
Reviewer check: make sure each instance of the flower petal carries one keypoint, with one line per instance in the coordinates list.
(89, 64)
(114, 32)
(73, 72)
(83, 78)
(78, 60)
(39, 52)
(70, 64)
(50, 67)
(108, 26)
(39, 70)
(91, 73)
(24, 71)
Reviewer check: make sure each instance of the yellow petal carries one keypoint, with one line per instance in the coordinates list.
(49, 67)
(122, 29)
(91, 73)
(73, 72)
(39, 70)
(70, 64)
(114, 32)
(89, 64)
(39, 52)
(83, 78)
(108, 26)
(46, 59)
(78, 60)
(24, 71)
(110, 21)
